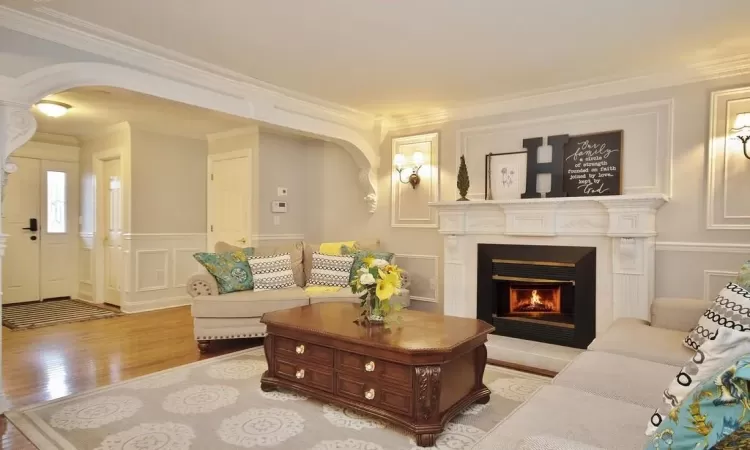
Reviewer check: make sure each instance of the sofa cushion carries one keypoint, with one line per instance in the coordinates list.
(714, 355)
(311, 248)
(618, 377)
(295, 251)
(677, 313)
(272, 272)
(731, 309)
(248, 303)
(637, 339)
(342, 295)
(210, 328)
(330, 270)
(230, 269)
(570, 414)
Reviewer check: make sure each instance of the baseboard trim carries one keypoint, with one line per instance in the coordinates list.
(522, 368)
(153, 305)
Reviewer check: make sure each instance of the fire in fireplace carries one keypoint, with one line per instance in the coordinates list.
(534, 299)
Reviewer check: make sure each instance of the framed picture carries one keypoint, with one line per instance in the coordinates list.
(504, 175)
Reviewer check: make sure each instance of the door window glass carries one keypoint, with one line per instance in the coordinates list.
(56, 205)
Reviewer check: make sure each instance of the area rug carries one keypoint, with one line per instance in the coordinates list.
(52, 312)
(217, 404)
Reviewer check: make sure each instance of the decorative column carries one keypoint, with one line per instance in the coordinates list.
(17, 125)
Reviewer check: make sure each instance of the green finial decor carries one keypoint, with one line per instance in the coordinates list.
(463, 180)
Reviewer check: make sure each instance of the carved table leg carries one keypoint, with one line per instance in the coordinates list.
(426, 440)
(203, 346)
(265, 387)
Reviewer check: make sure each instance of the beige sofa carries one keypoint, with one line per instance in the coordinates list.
(604, 398)
(237, 315)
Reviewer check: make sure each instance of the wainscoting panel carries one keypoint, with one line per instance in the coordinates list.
(409, 205)
(161, 265)
(423, 274)
(727, 207)
(646, 153)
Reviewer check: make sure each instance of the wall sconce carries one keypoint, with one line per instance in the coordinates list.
(742, 128)
(400, 161)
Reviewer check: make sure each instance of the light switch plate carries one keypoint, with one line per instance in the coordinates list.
(278, 207)
(282, 191)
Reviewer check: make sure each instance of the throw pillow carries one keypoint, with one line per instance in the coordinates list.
(743, 277)
(272, 272)
(330, 270)
(710, 358)
(709, 414)
(731, 309)
(230, 269)
(359, 257)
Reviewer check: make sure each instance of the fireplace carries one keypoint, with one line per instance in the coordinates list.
(540, 293)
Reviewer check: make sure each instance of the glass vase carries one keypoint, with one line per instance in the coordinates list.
(374, 313)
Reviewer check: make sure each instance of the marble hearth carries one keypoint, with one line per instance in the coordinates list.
(621, 228)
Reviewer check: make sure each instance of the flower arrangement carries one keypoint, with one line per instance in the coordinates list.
(377, 280)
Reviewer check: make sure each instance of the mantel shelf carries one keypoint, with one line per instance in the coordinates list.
(552, 202)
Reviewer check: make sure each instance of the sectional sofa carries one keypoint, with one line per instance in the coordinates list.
(604, 398)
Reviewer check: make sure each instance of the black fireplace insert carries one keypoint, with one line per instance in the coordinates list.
(538, 292)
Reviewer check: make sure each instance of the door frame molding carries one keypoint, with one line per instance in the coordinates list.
(98, 160)
(223, 156)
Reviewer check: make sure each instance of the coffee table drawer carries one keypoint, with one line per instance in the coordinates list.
(317, 354)
(355, 363)
(370, 393)
(307, 375)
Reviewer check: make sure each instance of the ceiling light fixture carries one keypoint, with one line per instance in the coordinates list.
(52, 109)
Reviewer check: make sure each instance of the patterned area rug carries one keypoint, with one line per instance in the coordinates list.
(217, 404)
(52, 312)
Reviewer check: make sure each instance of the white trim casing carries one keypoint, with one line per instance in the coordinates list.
(703, 247)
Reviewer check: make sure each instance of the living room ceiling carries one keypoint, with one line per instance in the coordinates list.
(409, 56)
(95, 108)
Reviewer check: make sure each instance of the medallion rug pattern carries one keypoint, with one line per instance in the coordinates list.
(217, 404)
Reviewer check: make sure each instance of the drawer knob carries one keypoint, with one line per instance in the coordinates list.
(370, 366)
(370, 394)
(300, 349)
(300, 374)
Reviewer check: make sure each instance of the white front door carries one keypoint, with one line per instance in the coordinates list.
(21, 206)
(229, 199)
(59, 228)
(112, 209)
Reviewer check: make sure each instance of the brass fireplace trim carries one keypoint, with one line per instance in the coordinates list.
(534, 263)
(533, 280)
(531, 319)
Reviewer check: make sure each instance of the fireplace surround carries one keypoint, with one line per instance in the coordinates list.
(538, 292)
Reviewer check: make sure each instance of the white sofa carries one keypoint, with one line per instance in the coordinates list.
(604, 398)
(237, 315)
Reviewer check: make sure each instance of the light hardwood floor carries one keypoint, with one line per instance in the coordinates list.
(48, 363)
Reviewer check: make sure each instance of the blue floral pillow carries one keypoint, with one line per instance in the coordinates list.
(743, 278)
(711, 413)
(360, 255)
(230, 269)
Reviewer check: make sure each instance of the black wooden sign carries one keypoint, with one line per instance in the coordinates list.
(593, 164)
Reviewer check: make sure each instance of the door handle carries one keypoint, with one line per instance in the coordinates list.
(33, 225)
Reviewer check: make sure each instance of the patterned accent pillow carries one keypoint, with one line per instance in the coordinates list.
(230, 269)
(731, 309)
(272, 272)
(360, 255)
(714, 355)
(330, 270)
(711, 413)
(743, 277)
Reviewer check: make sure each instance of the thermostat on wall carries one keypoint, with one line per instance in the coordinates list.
(278, 207)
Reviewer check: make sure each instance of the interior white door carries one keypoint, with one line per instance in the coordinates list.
(20, 205)
(229, 200)
(59, 229)
(112, 209)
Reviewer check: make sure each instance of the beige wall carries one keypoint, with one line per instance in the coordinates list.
(169, 183)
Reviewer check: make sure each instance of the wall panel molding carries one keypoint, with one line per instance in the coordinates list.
(142, 266)
(703, 247)
(709, 292)
(424, 283)
(409, 205)
(182, 260)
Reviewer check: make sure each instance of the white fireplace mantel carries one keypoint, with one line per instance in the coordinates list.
(621, 227)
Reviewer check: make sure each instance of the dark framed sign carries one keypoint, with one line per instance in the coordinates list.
(592, 164)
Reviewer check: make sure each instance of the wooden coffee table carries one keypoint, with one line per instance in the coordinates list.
(418, 373)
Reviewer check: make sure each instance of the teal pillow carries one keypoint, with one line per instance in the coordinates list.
(743, 278)
(230, 269)
(360, 255)
(712, 412)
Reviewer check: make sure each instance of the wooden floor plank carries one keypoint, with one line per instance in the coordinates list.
(52, 362)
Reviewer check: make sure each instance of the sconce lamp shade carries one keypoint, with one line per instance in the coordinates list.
(399, 160)
(742, 123)
(418, 158)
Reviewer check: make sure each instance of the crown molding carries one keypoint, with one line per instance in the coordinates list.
(577, 92)
(85, 36)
